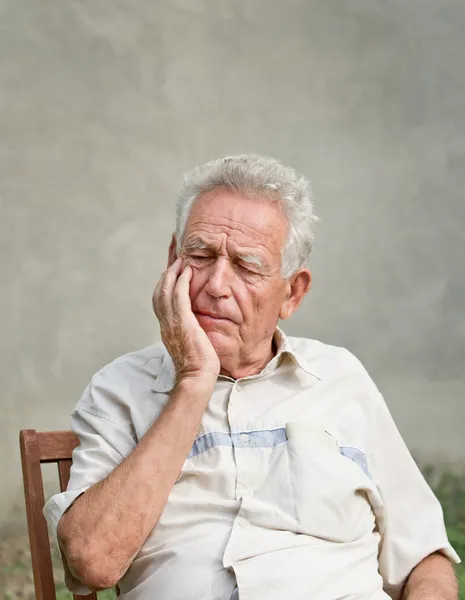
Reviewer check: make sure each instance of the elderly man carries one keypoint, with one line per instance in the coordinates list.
(231, 461)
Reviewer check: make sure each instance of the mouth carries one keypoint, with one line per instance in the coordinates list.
(211, 316)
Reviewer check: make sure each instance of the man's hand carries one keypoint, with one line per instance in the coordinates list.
(190, 349)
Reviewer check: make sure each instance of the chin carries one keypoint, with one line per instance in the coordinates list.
(222, 343)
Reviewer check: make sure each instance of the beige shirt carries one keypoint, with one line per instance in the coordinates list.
(298, 485)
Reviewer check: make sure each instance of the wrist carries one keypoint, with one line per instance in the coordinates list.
(198, 383)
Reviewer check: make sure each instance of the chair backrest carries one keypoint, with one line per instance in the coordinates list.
(37, 448)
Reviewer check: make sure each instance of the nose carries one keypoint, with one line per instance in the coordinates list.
(219, 279)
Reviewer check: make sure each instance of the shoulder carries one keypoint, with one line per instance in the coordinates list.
(326, 361)
(358, 406)
(339, 369)
(139, 363)
(116, 389)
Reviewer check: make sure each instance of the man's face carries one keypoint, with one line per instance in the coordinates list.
(233, 245)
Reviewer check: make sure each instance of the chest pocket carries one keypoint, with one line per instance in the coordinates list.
(330, 486)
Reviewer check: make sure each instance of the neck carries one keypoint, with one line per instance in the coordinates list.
(237, 368)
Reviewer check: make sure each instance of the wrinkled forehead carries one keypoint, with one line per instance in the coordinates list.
(245, 219)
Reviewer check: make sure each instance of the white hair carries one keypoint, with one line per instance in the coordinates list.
(257, 176)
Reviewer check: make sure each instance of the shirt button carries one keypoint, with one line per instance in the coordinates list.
(244, 524)
(247, 494)
(245, 438)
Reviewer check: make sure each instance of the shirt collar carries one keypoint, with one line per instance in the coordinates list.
(166, 377)
(285, 346)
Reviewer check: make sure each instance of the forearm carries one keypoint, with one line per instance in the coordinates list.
(105, 528)
(432, 579)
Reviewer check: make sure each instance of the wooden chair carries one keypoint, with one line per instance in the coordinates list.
(38, 448)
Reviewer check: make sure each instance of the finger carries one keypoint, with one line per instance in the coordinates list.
(157, 293)
(176, 266)
(181, 299)
(163, 295)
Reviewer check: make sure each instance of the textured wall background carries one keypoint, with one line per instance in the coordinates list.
(104, 104)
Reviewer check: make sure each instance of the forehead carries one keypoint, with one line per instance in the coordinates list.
(243, 221)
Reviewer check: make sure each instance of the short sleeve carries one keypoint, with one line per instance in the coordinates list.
(412, 524)
(104, 442)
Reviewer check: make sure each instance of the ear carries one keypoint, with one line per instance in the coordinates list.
(172, 254)
(299, 284)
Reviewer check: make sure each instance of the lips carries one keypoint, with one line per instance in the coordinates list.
(212, 315)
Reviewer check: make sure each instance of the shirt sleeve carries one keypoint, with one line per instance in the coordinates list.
(412, 523)
(104, 442)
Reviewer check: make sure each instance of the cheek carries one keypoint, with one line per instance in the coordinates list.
(197, 282)
(264, 303)
(251, 301)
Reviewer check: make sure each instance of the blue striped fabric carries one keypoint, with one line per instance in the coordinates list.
(264, 438)
(235, 594)
(357, 455)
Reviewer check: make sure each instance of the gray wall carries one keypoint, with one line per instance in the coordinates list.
(104, 104)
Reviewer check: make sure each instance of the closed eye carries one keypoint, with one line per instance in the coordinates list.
(199, 258)
(247, 270)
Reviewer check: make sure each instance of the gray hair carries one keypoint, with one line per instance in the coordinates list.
(257, 176)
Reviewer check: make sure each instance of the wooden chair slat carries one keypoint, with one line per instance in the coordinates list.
(37, 448)
(57, 445)
(37, 526)
(64, 468)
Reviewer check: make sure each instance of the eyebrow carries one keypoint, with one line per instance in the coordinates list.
(196, 244)
(250, 259)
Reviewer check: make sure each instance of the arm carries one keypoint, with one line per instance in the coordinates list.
(432, 579)
(104, 529)
(410, 519)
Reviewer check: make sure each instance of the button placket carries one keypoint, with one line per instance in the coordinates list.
(241, 445)
(245, 438)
